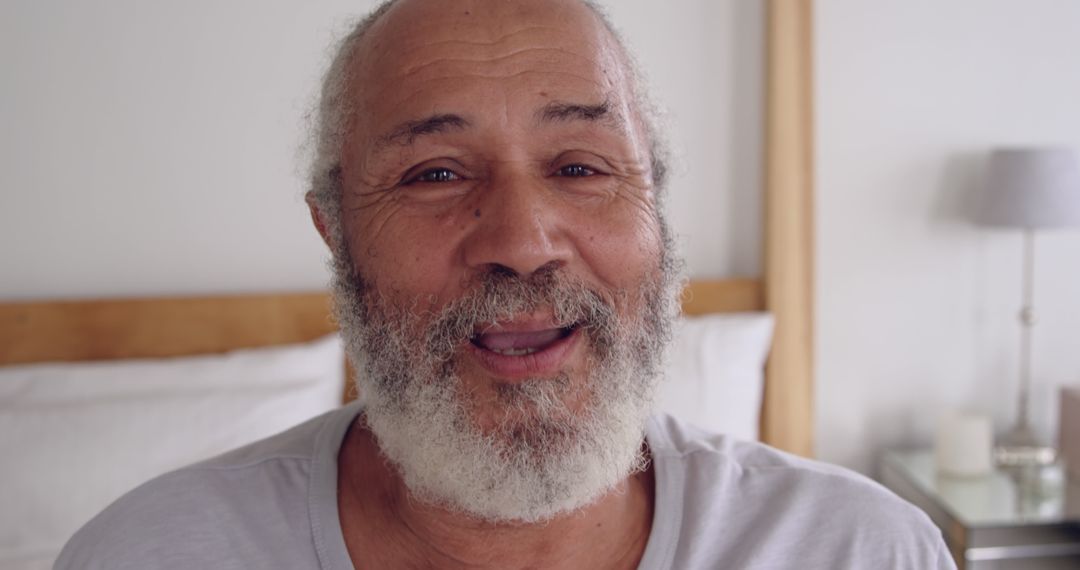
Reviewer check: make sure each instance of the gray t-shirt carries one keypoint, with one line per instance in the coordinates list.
(720, 503)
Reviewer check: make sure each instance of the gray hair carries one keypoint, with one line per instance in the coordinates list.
(333, 111)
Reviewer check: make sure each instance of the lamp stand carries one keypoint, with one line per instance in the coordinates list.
(1019, 446)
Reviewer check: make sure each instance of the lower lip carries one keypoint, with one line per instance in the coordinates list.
(544, 362)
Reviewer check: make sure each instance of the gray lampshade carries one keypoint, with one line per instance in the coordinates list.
(1031, 188)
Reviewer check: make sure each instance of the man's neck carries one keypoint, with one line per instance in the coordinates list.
(385, 528)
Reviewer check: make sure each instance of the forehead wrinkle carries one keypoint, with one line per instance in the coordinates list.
(497, 59)
(406, 133)
(421, 94)
(423, 91)
(593, 50)
(504, 41)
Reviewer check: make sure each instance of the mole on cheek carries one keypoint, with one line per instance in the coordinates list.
(476, 214)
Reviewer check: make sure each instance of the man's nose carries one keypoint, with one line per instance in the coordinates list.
(517, 226)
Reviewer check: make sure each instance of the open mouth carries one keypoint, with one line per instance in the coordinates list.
(521, 343)
(520, 351)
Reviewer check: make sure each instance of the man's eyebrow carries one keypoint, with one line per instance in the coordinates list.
(562, 111)
(407, 132)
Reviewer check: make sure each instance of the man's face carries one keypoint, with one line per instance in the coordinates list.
(501, 235)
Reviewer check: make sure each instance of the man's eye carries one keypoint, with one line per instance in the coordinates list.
(435, 175)
(575, 171)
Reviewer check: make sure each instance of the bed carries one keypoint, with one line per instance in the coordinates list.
(117, 330)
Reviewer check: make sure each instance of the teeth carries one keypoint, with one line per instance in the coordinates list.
(514, 351)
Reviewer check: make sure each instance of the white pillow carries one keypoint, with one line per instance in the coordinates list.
(715, 372)
(76, 436)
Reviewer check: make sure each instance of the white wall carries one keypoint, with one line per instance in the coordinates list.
(154, 148)
(703, 59)
(916, 307)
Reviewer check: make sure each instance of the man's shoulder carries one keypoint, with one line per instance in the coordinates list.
(738, 462)
(229, 507)
(764, 501)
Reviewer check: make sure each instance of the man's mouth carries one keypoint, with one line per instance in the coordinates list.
(523, 349)
(521, 343)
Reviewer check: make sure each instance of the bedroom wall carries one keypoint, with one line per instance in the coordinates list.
(154, 149)
(916, 308)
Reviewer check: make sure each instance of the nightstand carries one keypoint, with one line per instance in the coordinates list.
(993, 522)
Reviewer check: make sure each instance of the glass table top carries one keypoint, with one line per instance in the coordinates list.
(1001, 498)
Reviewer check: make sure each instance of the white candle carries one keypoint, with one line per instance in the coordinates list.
(964, 445)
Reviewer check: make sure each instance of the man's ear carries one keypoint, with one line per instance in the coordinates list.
(317, 219)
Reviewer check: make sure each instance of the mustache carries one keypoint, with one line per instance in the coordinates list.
(501, 295)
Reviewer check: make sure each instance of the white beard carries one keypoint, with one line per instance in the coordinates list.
(543, 459)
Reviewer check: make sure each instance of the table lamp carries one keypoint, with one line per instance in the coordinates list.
(1029, 189)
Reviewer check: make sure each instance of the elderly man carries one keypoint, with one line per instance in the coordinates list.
(489, 181)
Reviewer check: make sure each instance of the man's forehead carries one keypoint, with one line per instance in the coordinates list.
(440, 39)
(425, 52)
